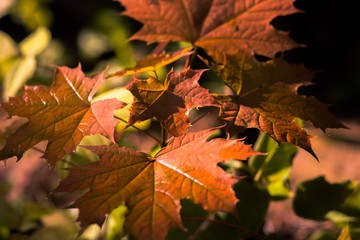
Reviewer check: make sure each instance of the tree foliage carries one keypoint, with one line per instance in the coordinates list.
(188, 164)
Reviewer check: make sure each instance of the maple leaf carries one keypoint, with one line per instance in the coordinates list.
(61, 114)
(266, 99)
(217, 26)
(169, 102)
(153, 62)
(244, 74)
(151, 188)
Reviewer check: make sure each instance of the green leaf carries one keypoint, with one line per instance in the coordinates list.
(264, 144)
(115, 223)
(252, 206)
(22, 70)
(82, 155)
(352, 204)
(274, 168)
(315, 198)
(251, 209)
(36, 42)
(323, 235)
(34, 211)
(8, 47)
(189, 210)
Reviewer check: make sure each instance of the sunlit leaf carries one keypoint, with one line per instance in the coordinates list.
(22, 70)
(169, 102)
(62, 114)
(274, 168)
(151, 188)
(36, 42)
(8, 47)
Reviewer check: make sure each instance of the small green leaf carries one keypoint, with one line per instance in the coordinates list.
(115, 223)
(36, 42)
(274, 168)
(8, 47)
(264, 144)
(19, 73)
(315, 198)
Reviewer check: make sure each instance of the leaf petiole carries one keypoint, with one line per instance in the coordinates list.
(141, 130)
(163, 137)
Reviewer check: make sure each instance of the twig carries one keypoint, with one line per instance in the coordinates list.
(144, 131)
(157, 77)
(163, 137)
(191, 58)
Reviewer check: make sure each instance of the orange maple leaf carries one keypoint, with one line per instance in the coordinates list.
(62, 114)
(151, 188)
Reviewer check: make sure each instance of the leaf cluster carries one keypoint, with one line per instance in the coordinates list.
(255, 94)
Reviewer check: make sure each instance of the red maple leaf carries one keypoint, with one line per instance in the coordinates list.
(169, 102)
(220, 27)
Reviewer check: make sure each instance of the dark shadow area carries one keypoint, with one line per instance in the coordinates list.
(327, 28)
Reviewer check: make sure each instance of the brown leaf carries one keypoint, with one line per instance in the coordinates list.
(244, 74)
(151, 188)
(267, 99)
(62, 114)
(169, 102)
(220, 27)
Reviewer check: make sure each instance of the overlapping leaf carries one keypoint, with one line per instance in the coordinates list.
(153, 62)
(266, 100)
(169, 102)
(62, 114)
(217, 26)
(151, 188)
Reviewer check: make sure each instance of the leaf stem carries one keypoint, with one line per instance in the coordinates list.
(141, 130)
(38, 150)
(156, 75)
(159, 48)
(202, 116)
(227, 224)
(191, 58)
(163, 137)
